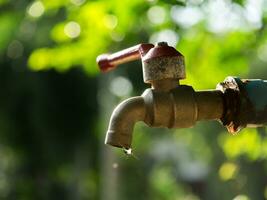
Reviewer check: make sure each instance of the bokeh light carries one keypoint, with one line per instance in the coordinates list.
(156, 15)
(78, 2)
(72, 29)
(111, 21)
(121, 86)
(227, 171)
(241, 197)
(36, 9)
(167, 35)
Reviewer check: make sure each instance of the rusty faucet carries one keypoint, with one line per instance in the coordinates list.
(169, 104)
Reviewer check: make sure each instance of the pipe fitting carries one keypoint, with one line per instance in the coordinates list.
(245, 103)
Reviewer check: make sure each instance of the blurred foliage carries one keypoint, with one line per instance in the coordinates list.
(80, 44)
(54, 105)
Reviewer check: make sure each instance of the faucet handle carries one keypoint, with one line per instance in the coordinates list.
(160, 62)
(107, 62)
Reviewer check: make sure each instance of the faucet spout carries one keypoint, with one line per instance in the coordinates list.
(122, 122)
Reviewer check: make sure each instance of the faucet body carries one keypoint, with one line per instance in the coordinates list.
(235, 102)
(181, 107)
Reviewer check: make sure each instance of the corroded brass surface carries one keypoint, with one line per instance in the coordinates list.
(163, 68)
(209, 104)
(180, 107)
(122, 122)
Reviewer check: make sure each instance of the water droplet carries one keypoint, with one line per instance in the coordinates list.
(127, 151)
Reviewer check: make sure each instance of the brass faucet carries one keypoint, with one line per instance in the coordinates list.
(169, 104)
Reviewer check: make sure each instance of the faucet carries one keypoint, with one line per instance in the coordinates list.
(235, 102)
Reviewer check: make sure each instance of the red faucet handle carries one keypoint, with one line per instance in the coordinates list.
(104, 63)
(107, 62)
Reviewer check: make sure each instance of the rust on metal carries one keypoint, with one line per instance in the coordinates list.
(231, 100)
(245, 103)
(162, 68)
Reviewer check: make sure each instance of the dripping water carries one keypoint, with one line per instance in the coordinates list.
(129, 152)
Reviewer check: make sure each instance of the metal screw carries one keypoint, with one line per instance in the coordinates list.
(162, 44)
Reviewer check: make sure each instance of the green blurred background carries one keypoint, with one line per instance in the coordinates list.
(55, 105)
